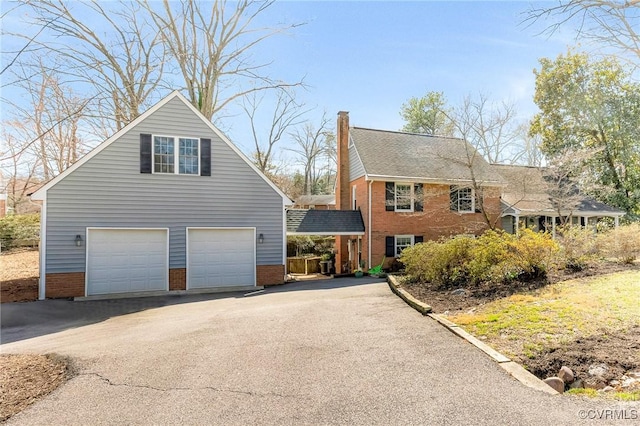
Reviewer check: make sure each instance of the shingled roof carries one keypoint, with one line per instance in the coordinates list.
(324, 222)
(527, 193)
(420, 157)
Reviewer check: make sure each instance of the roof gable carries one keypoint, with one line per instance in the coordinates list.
(40, 194)
(527, 191)
(389, 154)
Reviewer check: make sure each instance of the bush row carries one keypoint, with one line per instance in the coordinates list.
(495, 256)
(16, 230)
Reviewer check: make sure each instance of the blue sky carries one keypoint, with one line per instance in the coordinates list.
(369, 58)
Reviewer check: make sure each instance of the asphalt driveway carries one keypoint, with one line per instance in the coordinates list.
(330, 352)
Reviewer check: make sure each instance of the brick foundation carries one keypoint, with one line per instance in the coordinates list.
(178, 279)
(67, 284)
(269, 274)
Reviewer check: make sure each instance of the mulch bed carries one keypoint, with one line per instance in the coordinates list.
(26, 378)
(443, 301)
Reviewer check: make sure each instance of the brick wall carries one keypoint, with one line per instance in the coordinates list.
(178, 279)
(269, 274)
(437, 220)
(62, 285)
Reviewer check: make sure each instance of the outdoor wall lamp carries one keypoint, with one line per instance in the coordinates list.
(260, 238)
(78, 240)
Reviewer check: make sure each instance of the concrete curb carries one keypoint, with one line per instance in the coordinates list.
(514, 369)
(423, 308)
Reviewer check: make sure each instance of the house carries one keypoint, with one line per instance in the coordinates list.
(409, 188)
(166, 204)
(528, 201)
(318, 202)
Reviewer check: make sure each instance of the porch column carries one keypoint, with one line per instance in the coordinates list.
(553, 228)
(517, 224)
(616, 221)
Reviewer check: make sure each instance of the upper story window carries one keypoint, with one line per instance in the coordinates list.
(462, 199)
(403, 197)
(166, 155)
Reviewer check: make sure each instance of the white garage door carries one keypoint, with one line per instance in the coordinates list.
(127, 260)
(220, 257)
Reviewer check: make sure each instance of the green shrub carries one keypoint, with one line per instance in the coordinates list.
(578, 246)
(622, 243)
(535, 253)
(492, 258)
(17, 229)
(442, 263)
(495, 256)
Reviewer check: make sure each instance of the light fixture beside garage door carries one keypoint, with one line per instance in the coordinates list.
(260, 238)
(78, 240)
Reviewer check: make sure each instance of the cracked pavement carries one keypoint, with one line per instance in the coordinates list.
(343, 351)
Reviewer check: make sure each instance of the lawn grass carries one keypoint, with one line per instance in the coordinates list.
(522, 324)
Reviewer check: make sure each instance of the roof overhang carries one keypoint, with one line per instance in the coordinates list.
(324, 222)
(418, 179)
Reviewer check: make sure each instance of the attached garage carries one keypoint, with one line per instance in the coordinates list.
(221, 257)
(121, 260)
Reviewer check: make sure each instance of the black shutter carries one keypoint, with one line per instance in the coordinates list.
(389, 196)
(390, 247)
(418, 195)
(145, 153)
(417, 239)
(479, 200)
(205, 157)
(453, 198)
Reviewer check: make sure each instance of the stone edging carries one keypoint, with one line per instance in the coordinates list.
(513, 368)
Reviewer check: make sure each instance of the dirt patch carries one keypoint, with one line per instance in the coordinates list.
(26, 378)
(451, 302)
(19, 275)
(619, 352)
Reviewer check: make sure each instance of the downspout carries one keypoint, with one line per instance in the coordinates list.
(42, 287)
(369, 226)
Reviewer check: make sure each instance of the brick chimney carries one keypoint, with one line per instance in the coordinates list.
(343, 195)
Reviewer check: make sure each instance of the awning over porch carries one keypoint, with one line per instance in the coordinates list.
(324, 222)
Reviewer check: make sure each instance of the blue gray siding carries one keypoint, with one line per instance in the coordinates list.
(356, 168)
(109, 191)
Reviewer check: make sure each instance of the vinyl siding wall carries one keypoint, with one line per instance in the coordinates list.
(356, 168)
(109, 191)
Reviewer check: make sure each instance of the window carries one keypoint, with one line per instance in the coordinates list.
(188, 156)
(402, 242)
(404, 197)
(353, 197)
(462, 199)
(165, 155)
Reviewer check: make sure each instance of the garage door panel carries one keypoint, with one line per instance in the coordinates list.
(126, 260)
(221, 258)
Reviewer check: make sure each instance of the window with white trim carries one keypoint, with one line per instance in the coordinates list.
(404, 197)
(462, 199)
(402, 242)
(353, 198)
(166, 156)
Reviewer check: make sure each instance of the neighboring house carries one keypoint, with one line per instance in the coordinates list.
(528, 201)
(318, 202)
(168, 203)
(409, 188)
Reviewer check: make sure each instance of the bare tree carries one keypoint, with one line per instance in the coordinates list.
(488, 126)
(211, 44)
(285, 113)
(123, 61)
(45, 130)
(314, 147)
(530, 153)
(607, 22)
